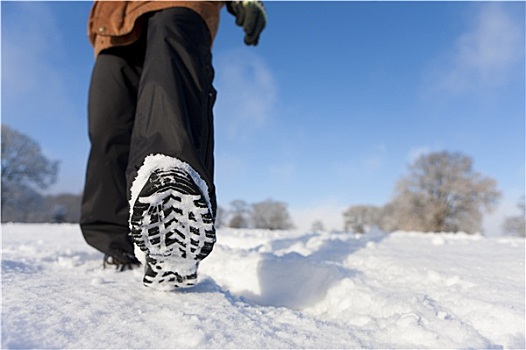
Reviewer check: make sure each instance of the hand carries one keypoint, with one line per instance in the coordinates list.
(251, 15)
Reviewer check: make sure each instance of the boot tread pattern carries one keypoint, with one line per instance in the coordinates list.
(172, 223)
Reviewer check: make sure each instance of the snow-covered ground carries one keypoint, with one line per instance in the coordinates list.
(264, 289)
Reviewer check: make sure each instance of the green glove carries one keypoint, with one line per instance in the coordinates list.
(251, 15)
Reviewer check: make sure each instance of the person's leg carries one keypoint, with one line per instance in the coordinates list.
(171, 159)
(176, 96)
(111, 113)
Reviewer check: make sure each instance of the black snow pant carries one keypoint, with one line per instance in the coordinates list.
(152, 97)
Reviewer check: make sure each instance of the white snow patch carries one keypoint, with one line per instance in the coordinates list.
(269, 289)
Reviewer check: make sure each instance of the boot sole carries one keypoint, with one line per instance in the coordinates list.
(172, 224)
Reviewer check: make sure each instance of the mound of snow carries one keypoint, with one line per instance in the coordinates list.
(269, 289)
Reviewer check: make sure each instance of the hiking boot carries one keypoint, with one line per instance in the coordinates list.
(171, 222)
(121, 263)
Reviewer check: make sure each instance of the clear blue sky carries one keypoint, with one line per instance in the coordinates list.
(325, 113)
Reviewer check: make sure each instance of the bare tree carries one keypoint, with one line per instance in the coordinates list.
(361, 218)
(387, 220)
(516, 225)
(441, 193)
(317, 226)
(24, 171)
(271, 215)
(240, 214)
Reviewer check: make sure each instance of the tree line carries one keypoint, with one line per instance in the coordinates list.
(268, 214)
(441, 192)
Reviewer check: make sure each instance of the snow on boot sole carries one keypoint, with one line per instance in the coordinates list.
(172, 224)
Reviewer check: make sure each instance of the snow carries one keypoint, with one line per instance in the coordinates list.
(270, 289)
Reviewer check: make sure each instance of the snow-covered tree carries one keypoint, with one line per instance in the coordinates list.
(442, 193)
(271, 215)
(240, 214)
(516, 225)
(317, 226)
(25, 170)
(361, 218)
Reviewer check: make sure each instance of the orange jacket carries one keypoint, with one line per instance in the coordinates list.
(115, 23)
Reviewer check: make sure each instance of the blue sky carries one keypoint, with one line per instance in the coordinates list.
(328, 110)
